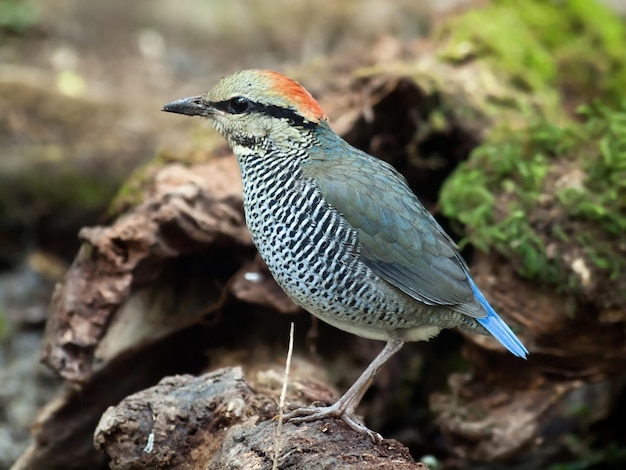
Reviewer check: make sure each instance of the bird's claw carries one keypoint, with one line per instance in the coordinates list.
(314, 413)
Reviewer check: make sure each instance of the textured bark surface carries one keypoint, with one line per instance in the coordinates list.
(219, 421)
(185, 212)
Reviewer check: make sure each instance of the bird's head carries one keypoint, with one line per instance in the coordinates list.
(252, 108)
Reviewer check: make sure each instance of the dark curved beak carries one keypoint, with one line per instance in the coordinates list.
(192, 106)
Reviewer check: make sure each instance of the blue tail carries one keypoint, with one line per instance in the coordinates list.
(496, 326)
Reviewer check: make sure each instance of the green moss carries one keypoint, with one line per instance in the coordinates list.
(563, 187)
(17, 15)
(603, 198)
(500, 34)
(543, 47)
(133, 189)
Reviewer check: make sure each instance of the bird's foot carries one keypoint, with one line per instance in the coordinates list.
(308, 414)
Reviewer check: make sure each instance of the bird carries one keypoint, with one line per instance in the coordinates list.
(340, 230)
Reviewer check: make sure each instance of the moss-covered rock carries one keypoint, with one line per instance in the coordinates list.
(547, 189)
(553, 199)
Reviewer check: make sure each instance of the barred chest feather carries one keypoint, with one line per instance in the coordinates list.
(313, 253)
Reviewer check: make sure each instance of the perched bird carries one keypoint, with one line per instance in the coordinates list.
(340, 230)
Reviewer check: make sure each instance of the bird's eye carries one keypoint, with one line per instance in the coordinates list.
(238, 105)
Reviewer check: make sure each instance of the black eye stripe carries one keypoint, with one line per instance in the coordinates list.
(269, 110)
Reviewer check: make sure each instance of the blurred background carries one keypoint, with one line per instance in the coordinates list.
(82, 83)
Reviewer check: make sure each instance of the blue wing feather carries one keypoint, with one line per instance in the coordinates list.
(496, 326)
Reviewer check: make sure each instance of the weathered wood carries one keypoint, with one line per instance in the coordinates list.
(219, 421)
(186, 211)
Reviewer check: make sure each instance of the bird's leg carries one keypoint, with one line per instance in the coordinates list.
(346, 406)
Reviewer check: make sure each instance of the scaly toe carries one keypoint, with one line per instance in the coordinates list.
(359, 427)
(311, 413)
(314, 413)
